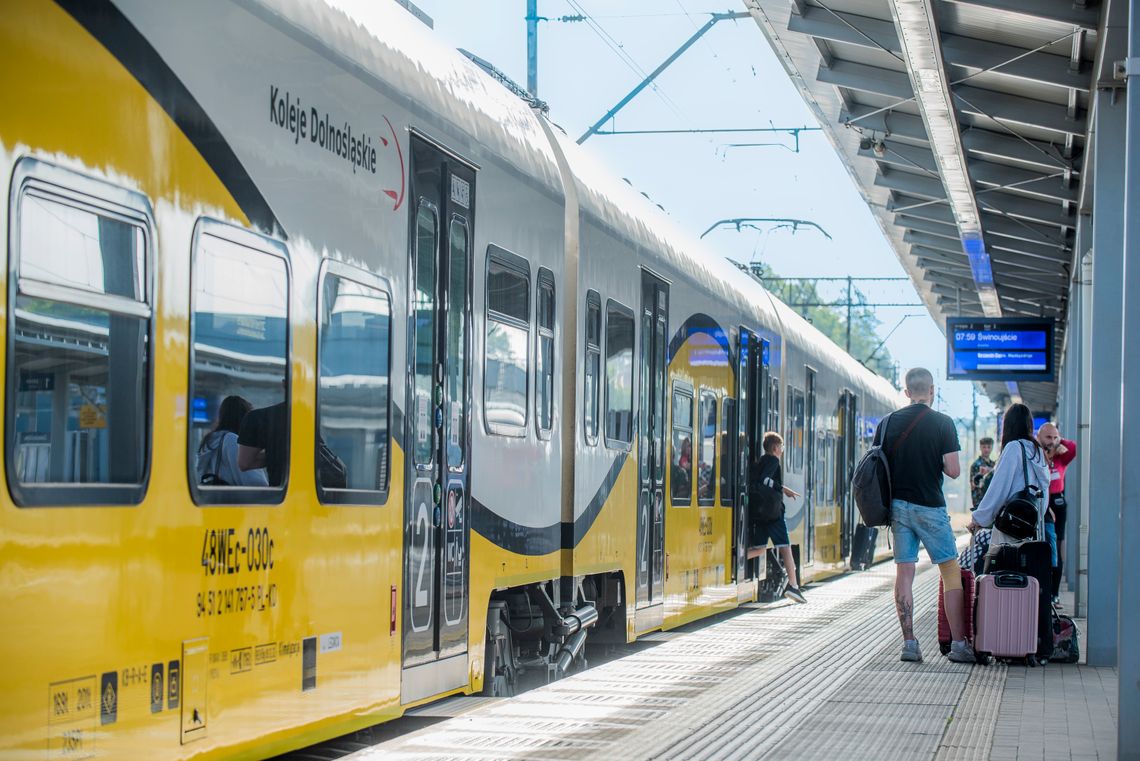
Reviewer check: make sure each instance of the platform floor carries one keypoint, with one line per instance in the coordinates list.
(815, 681)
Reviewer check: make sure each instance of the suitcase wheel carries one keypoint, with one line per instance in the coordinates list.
(1031, 661)
(944, 648)
(982, 659)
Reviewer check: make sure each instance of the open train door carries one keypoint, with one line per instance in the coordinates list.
(436, 574)
(848, 409)
(751, 416)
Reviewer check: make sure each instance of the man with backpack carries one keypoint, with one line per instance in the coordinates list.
(920, 446)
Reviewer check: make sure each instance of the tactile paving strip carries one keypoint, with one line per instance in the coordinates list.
(782, 681)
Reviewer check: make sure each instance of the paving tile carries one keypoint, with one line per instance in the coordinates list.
(829, 678)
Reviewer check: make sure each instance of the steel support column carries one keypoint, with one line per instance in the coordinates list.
(1083, 462)
(1103, 452)
(1128, 583)
(1074, 389)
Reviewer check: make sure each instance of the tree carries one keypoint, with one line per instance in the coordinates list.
(831, 320)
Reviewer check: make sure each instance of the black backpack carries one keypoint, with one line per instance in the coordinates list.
(765, 503)
(1018, 517)
(871, 481)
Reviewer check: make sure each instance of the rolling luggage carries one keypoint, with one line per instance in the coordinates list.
(968, 618)
(1006, 616)
(1032, 559)
(863, 547)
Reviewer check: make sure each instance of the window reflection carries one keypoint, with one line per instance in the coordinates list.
(75, 248)
(80, 400)
(78, 374)
(706, 483)
(727, 450)
(353, 391)
(423, 315)
(240, 325)
(619, 374)
(456, 358)
(593, 368)
(544, 375)
(507, 348)
(681, 461)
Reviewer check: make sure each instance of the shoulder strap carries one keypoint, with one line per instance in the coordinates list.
(218, 455)
(922, 413)
(1025, 463)
(881, 434)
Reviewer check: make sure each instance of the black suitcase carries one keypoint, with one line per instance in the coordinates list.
(1032, 559)
(863, 547)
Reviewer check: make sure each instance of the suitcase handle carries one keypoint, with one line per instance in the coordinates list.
(1011, 580)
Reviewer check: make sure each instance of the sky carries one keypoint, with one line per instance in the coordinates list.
(729, 79)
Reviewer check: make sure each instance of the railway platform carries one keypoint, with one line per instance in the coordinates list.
(786, 681)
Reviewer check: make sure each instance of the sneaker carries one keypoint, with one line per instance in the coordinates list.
(910, 651)
(961, 652)
(795, 595)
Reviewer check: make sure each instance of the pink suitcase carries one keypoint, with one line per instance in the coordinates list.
(1006, 616)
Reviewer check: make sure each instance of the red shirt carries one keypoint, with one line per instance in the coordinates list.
(1060, 463)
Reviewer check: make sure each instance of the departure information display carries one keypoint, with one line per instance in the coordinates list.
(997, 348)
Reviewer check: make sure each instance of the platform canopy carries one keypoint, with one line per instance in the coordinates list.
(964, 124)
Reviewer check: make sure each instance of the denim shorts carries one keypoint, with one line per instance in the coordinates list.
(911, 524)
(1051, 537)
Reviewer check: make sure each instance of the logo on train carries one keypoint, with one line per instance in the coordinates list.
(356, 147)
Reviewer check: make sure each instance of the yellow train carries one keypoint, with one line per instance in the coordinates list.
(337, 380)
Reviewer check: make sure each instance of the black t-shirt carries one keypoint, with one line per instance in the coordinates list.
(916, 466)
(268, 428)
(768, 466)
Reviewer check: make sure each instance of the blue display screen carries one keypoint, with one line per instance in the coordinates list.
(1011, 349)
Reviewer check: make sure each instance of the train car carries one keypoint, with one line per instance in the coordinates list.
(337, 380)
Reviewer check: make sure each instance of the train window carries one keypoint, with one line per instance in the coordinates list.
(79, 352)
(796, 420)
(239, 366)
(681, 459)
(619, 375)
(593, 366)
(455, 424)
(774, 404)
(423, 332)
(544, 372)
(727, 450)
(508, 346)
(706, 457)
(353, 352)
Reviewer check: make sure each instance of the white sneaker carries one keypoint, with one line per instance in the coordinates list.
(961, 652)
(910, 651)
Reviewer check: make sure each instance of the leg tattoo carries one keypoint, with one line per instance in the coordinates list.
(905, 610)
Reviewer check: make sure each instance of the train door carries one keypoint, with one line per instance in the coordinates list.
(810, 469)
(845, 459)
(650, 588)
(752, 412)
(435, 604)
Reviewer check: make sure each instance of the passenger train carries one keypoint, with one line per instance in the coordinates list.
(503, 405)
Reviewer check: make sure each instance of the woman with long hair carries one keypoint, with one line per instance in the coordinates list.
(218, 452)
(1018, 448)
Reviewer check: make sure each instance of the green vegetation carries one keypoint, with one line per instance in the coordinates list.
(829, 316)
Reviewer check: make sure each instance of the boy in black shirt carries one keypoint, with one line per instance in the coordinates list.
(767, 473)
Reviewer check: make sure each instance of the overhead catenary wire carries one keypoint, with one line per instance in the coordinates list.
(619, 49)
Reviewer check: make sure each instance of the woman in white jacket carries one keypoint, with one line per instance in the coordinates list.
(217, 454)
(1019, 448)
